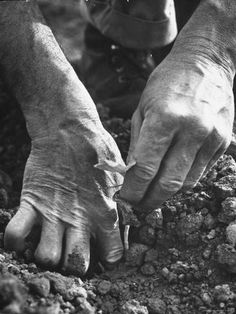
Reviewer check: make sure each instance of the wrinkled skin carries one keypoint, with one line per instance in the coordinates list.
(68, 197)
(185, 116)
(62, 191)
(182, 125)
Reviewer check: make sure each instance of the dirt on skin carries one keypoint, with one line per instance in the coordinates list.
(181, 259)
(76, 264)
(182, 256)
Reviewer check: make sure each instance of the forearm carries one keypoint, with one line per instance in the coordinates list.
(211, 33)
(36, 69)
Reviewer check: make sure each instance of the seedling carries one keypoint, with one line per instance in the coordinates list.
(125, 209)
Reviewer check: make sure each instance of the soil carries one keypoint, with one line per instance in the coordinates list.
(182, 256)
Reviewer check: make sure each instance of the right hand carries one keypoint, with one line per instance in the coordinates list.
(182, 125)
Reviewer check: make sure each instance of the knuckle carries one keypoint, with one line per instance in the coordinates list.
(190, 124)
(113, 255)
(170, 186)
(225, 142)
(223, 135)
(200, 127)
(197, 126)
(144, 173)
(111, 246)
(110, 220)
(136, 182)
(220, 138)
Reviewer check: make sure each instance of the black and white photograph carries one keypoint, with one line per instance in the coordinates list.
(117, 157)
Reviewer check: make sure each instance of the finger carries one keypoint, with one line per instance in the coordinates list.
(209, 153)
(20, 227)
(231, 149)
(49, 250)
(172, 173)
(148, 153)
(77, 251)
(136, 123)
(218, 154)
(110, 245)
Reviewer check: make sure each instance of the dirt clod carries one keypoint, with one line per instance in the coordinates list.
(231, 234)
(133, 307)
(135, 255)
(228, 212)
(39, 286)
(81, 292)
(156, 306)
(85, 306)
(151, 255)
(147, 235)
(148, 269)
(104, 287)
(189, 224)
(222, 293)
(155, 218)
(225, 187)
(209, 221)
(226, 257)
(11, 295)
(182, 256)
(61, 284)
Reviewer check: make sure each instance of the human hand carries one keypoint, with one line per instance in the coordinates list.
(69, 199)
(181, 127)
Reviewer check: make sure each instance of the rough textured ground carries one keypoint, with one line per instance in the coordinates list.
(182, 256)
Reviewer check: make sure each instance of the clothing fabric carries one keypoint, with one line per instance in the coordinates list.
(139, 24)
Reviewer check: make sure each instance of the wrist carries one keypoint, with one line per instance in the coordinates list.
(210, 35)
(38, 74)
(68, 108)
